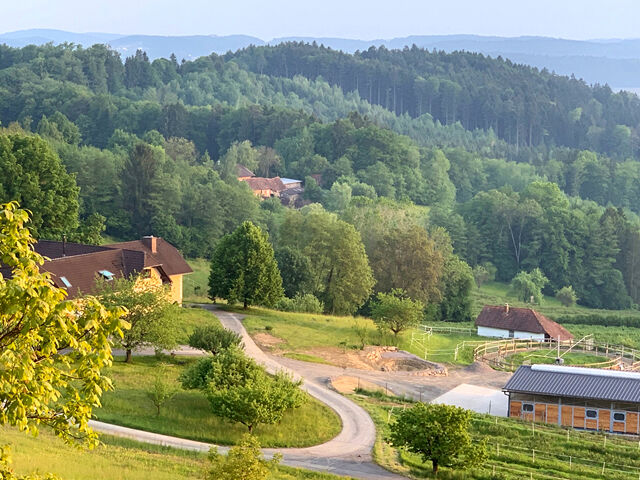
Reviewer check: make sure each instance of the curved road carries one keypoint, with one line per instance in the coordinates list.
(347, 454)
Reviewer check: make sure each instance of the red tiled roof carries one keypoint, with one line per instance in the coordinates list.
(166, 255)
(261, 183)
(522, 320)
(244, 171)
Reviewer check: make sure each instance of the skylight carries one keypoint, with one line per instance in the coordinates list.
(106, 274)
(66, 282)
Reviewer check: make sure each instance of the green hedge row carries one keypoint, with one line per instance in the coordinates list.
(600, 319)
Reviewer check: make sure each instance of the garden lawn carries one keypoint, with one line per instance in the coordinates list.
(509, 445)
(196, 285)
(190, 318)
(188, 414)
(117, 459)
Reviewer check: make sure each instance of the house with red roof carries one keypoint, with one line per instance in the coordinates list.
(509, 322)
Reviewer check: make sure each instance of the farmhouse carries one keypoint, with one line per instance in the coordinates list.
(509, 322)
(75, 267)
(585, 398)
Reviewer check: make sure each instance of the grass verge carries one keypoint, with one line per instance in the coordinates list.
(196, 285)
(188, 414)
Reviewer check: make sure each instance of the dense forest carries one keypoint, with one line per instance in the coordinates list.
(429, 163)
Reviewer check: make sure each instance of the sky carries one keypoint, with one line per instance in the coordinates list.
(363, 19)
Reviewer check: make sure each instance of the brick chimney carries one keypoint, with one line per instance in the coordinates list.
(151, 243)
(506, 307)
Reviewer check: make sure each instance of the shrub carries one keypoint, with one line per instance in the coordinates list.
(213, 339)
(306, 303)
(567, 296)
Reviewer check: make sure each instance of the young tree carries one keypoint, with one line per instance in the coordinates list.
(149, 312)
(213, 339)
(567, 296)
(56, 389)
(395, 311)
(440, 434)
(161, 391)
(483, 273)
(527, 286)
(243, 268)
(240, 390)
(243, 462)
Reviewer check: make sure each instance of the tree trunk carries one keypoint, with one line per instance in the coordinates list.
(128, 358)
(245, 304)
(435, 467)
(250, 427)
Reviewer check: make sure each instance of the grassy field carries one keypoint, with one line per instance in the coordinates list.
(511, 445)
(549, 356)
(190, 318)
(196, 285)
(117, 459)
(188, 414)
(302, 332)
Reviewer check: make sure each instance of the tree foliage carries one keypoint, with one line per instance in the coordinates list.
(439, 434)
(527, 286)
(395, 311)
(567, 296)
(52, 350)
(243, 462)
(213, 339)
(243, 268)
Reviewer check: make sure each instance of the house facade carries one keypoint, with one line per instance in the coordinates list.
(524, 323)
(76, 267)
(577, 397)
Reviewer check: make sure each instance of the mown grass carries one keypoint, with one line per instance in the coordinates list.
(510, 445)
(196, 285)
(188, 414)
(117, 459)
(549, 357)
(189, 318)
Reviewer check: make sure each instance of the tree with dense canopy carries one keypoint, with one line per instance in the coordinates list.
(60, 346)
(439, 434)
(244, 269)
(395, 311)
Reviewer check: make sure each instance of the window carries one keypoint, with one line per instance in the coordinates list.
(619, 416)
(106, 274)
(511, 333)
(591, 414)
(527, 407)
(66, 282)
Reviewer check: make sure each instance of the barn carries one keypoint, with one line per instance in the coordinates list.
(526, 323)
(584, 398)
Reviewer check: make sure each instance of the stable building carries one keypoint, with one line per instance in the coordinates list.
(524, 323)
(577, 397)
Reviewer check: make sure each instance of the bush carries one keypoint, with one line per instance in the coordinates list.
(213, 339)
(306, 303)
(567, 296)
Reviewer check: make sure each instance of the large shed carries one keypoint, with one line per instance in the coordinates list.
(578, 397)
(526, 323)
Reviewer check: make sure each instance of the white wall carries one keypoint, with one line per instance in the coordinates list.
(500, 333)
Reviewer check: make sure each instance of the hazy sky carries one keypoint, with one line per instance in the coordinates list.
(366, 19)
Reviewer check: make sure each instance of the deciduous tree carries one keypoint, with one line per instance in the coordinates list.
(395, 311)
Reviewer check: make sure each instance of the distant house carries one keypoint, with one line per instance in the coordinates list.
(265, 187)
(578, 397)
(290, 183)
(509, 322)
(76, 267)
(244, 172)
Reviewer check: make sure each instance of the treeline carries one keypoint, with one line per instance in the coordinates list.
(524, 106)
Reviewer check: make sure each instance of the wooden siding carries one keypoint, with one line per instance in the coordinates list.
(575, 416)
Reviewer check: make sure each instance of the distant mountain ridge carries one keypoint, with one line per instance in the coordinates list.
(612, 61)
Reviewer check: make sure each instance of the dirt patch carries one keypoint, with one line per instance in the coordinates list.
(267, 341)
(346, 385)
(386, 359)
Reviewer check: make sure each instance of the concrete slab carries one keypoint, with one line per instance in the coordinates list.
(478, 399)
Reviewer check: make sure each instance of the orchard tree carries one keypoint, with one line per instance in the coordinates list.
(567, 296)
(243, 268)
(53, 349)
(150, 313)
(162, 390)
(396, 312)
(527, 286)
(440, 434)
(34, 176)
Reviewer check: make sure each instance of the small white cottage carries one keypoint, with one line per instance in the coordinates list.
(509, 322)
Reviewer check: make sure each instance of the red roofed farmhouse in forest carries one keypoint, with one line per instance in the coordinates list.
(76, 267)
(509, 322)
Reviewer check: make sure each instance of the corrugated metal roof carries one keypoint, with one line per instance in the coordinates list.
(576, 382)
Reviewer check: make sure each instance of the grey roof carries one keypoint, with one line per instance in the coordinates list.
(576, 382)
(287, 181)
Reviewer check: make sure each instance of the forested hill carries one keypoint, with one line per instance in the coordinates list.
(151, 147)
(524, 106)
